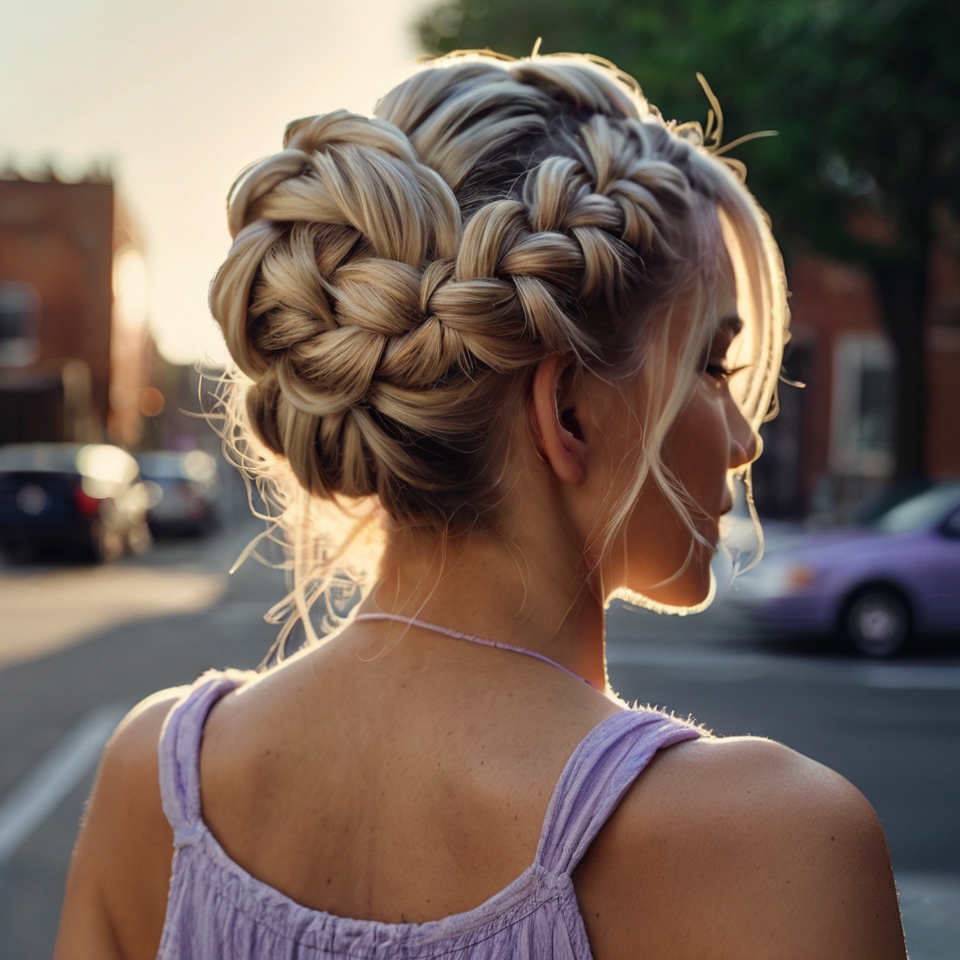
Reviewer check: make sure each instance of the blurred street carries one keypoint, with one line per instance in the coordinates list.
(104, 637)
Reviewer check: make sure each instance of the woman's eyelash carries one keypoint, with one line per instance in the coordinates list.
(717, 369)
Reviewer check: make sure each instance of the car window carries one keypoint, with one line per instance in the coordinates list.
(921, 512)
(161, 466)
(53, 457)
(165, 465)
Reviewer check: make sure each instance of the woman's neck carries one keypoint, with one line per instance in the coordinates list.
(536, 596)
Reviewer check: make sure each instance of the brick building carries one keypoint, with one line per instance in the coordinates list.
(72, 350)
(833, 442)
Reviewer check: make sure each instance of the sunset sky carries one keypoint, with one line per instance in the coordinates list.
(178, 97)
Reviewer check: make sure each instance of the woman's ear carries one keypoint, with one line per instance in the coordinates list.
(556, 420)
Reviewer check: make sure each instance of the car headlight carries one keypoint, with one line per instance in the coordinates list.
(773, 578)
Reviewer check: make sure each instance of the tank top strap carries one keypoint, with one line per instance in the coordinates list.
(595, 779)
(179, 751)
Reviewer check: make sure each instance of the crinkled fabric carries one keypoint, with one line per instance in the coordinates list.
(218, 911)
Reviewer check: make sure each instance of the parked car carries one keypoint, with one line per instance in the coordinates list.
(183, 489)
(68, 497)
(877, 587)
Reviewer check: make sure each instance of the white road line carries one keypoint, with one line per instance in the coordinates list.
(35, 797)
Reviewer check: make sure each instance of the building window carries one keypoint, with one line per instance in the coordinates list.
(19, 324)
(862, 431)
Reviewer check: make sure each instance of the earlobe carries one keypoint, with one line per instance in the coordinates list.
(555, 420)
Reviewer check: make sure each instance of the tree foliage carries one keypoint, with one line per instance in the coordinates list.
(864, 94)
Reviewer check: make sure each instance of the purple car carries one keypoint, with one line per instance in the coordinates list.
(877, 586)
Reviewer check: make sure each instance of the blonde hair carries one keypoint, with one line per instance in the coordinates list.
(393, 281)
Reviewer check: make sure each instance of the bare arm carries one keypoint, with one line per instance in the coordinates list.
(741, 850)
(116, 893)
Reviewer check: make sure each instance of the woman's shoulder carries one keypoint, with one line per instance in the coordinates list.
(131, 760)
(119, 878)
(740, 847)
(117, 888)
(129, 768)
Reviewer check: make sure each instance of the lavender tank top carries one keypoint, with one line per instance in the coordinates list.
(218, 911)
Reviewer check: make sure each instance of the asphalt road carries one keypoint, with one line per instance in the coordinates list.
(892, 729)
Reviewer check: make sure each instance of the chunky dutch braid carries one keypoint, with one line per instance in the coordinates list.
(392, 280)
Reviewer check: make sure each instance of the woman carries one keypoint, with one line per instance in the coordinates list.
(498, 330)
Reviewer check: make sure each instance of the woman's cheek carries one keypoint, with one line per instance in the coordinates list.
(700, 449)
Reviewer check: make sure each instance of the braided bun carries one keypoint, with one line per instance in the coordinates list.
(393, 280)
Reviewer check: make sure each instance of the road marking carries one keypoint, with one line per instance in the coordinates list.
(35, 797)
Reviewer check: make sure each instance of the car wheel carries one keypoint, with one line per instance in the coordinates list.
(877, 623)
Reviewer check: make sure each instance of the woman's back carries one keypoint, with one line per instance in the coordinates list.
(426, 772)
(398, 873)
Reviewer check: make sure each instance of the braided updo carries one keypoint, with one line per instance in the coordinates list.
(392, 281)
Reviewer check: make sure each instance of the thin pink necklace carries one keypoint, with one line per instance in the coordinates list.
(460, 635)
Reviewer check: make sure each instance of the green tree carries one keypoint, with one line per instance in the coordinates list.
(865, 95)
